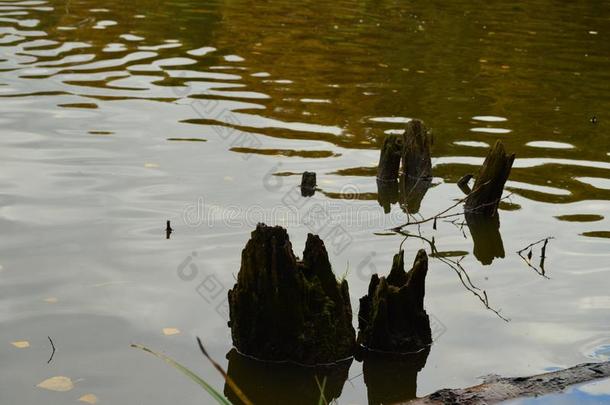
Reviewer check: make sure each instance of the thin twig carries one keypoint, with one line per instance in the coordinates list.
(461, 272)
(53, 352)
(541, 271)
(222, 372)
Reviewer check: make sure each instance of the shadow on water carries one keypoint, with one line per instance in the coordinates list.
(486, 238)
(408, 192)
(284, 383)
(392, 378)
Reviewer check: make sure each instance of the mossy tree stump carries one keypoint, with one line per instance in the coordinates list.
(489, 183)
(285, 309)
(392, 317)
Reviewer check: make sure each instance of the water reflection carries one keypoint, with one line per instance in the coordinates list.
(281, 383)
(408, 192)
(486, 238)
(392, 378)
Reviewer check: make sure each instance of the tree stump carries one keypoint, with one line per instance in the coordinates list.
(389, 159)
(285, 309)
(489, 184)
(308, 184)
(392, 316)
(416, 161)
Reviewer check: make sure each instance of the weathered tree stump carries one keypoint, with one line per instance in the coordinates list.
(389, 159)
(285, 309)
(308, 184)
(416, 161)
(489, 184)
(392, 316)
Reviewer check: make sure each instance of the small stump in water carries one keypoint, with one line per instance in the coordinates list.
(389, 158)
(308, 184)
(283, 309)
(392, 316)
(417, 141)
(489, 184)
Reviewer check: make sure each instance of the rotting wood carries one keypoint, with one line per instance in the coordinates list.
(308, 184)
(392, 317)
(389, 158)
(417, 141)
(283, 309)
(503, 389)
(489, 183)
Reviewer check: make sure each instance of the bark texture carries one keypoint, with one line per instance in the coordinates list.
(389, 159)
(502, 389)
(417, 141)
(392, 316)
(285, 309)
(489, 184)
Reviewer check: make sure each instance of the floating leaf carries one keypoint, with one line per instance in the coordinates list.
(171, 331)
(59, 383)
(51, 300)
(89, 399)
(151, 165)
(21, 344)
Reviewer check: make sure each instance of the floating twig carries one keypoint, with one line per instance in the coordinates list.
(52, 347)
(528, 259)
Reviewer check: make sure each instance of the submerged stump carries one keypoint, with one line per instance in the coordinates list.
(283, 309)
(389, 159)
(392, 317)
(417, 141)
(489, 184)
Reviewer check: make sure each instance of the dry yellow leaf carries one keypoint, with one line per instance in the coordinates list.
(170, 331)
(58, 383)
(21, 344)
(89, 399)
(51, 300)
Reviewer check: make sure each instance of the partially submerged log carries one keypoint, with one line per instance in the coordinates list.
(389, 159)
(392, 317)
(416, 161)
(503, 389)
(308, 184)
(489, 184)
(283, 309)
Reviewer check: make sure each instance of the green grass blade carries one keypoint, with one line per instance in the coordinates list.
(215, 394)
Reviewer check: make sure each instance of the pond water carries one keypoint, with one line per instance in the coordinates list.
(118, 116)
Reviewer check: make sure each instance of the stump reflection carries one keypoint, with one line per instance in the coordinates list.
(486, 237)
(391, 378)
(283, 383)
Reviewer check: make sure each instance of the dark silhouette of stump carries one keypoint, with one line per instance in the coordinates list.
(416, 161)
(412, 192)
(392, 316)
(389, 159)
(268, 383)
(285, 309)
(387, 194)
(486, 237)
(391, 378)
(308, 184)
(489, 184)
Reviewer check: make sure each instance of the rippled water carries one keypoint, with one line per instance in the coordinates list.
(117, 116)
